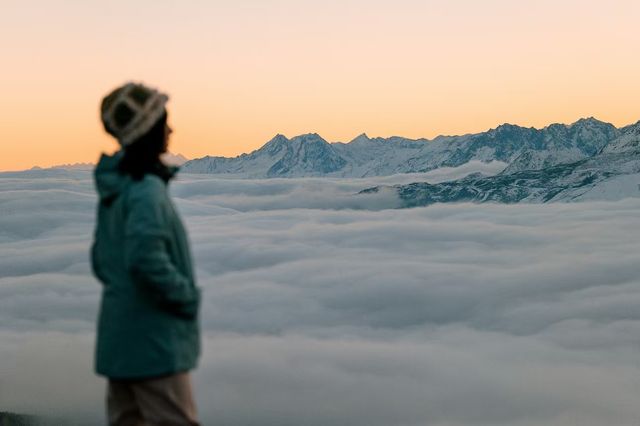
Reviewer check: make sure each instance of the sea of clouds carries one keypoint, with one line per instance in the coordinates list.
(324, 308)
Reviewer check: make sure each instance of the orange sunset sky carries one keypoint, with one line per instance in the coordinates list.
(240, 71)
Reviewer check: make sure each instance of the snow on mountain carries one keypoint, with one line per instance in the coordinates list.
(535, 160)
(527, 148)
(252, 165)
(628, 142)
(378, 156)
(307, 155)
(612, 173)
(566, 144)
(310, 155)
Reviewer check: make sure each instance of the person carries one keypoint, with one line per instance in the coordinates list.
(148, 336)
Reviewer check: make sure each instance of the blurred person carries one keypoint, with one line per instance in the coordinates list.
(148, 337)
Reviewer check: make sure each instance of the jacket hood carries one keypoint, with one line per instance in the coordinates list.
(110, 182)
(108, 179)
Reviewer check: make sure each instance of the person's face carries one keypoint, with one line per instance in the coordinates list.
(167, 133)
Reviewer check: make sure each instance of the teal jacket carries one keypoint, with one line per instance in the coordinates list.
(148, 320)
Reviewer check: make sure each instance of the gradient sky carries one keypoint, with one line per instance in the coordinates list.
(240, 71)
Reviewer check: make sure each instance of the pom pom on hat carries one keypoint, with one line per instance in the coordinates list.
(131, 110)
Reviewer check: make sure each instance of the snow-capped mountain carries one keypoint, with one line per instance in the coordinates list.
(311, 155)
(613, 172)
(535, 160)
(304, 155)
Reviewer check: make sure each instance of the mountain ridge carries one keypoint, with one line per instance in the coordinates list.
(310, 155)
(167, 157)
(615, 166)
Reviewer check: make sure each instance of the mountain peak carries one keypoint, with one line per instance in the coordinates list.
(275, 145)
(587, 121)
(310, 155)
(505, 129)
(278, 138)
(635, 128)
(308, 137)
(508, 127)
(362, 137)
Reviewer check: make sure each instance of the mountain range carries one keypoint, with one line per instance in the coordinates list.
(523, 148)
(613, 172)
(589, 159)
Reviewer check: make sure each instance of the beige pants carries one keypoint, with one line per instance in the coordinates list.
(164, 401)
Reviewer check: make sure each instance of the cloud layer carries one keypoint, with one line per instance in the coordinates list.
(319, 310)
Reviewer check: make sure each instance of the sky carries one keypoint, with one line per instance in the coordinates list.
(238, 72)
(454, 314)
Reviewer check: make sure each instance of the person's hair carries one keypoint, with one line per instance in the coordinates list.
(143, 155)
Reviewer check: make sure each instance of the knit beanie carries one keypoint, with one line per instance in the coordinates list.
(131, 110)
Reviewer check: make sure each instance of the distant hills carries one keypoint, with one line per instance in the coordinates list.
(168, 157)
